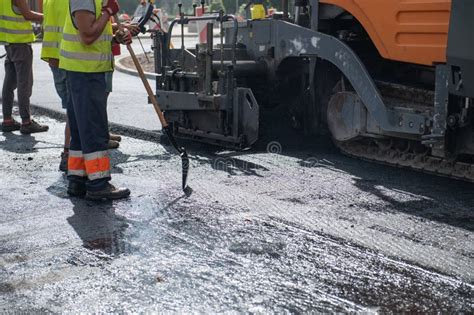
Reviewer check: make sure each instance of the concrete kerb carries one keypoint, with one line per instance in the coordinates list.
(129, 131)
(121, 68)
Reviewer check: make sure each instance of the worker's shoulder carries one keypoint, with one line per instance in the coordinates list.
(82, 5)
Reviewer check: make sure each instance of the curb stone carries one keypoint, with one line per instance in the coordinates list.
(123, 69)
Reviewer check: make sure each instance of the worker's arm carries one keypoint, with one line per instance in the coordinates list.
(89, 28)
(26, 12)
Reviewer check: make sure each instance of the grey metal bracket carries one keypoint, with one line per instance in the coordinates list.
(436, 139)
(296, 41)
(171, 100)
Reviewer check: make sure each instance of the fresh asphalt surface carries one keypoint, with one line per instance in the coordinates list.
(297, 231)
(279, 228)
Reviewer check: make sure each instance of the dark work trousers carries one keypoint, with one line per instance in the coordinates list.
(87, 113)
(18, 75)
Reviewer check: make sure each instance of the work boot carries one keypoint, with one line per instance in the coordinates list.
(109, 193)
(63, 163)
(10, 126)
(76, 189)
(113, 145)
(115, 137)
(33, 127)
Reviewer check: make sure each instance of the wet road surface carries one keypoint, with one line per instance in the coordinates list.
(302, 230)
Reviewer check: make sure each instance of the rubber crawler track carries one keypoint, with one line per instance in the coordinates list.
(370, 151)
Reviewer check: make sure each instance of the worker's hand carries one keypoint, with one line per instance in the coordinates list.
(111, 7)
(133, 28)
(123, 37)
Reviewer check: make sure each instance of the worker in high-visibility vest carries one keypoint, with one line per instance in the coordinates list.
(17, 32)
(86, 55)
(55, 12)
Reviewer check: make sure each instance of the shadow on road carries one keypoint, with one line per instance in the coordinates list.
(99, 227)
(24, 144)
(17, 143)
(96, 223)
(434, 198)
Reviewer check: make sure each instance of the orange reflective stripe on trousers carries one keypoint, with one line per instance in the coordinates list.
(75, 164)
(97, 165)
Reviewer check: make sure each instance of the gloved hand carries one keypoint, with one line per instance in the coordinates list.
(133, 28)
(111, 7)
(123, 37)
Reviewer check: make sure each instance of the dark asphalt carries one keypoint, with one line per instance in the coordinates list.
(304, 230)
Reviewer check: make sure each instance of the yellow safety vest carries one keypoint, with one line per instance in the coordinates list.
(78, 57)
(14, 29)
(3, 35)
(55, 12)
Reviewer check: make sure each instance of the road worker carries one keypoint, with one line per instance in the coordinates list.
(86, 55)
(17, 32)
(55, 12)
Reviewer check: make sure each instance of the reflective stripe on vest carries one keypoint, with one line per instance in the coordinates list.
(53, 29)
(79, 57)
(49, 45)
(54, 17)
(11, 18)
(77, 38)
(14, 29)
(86, 56)
(16, 32)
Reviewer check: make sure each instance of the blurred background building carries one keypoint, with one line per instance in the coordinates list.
(171, 6)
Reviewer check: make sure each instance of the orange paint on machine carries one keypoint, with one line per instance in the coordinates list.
(412, 31)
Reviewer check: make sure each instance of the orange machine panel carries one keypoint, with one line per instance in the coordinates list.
(414, 31)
